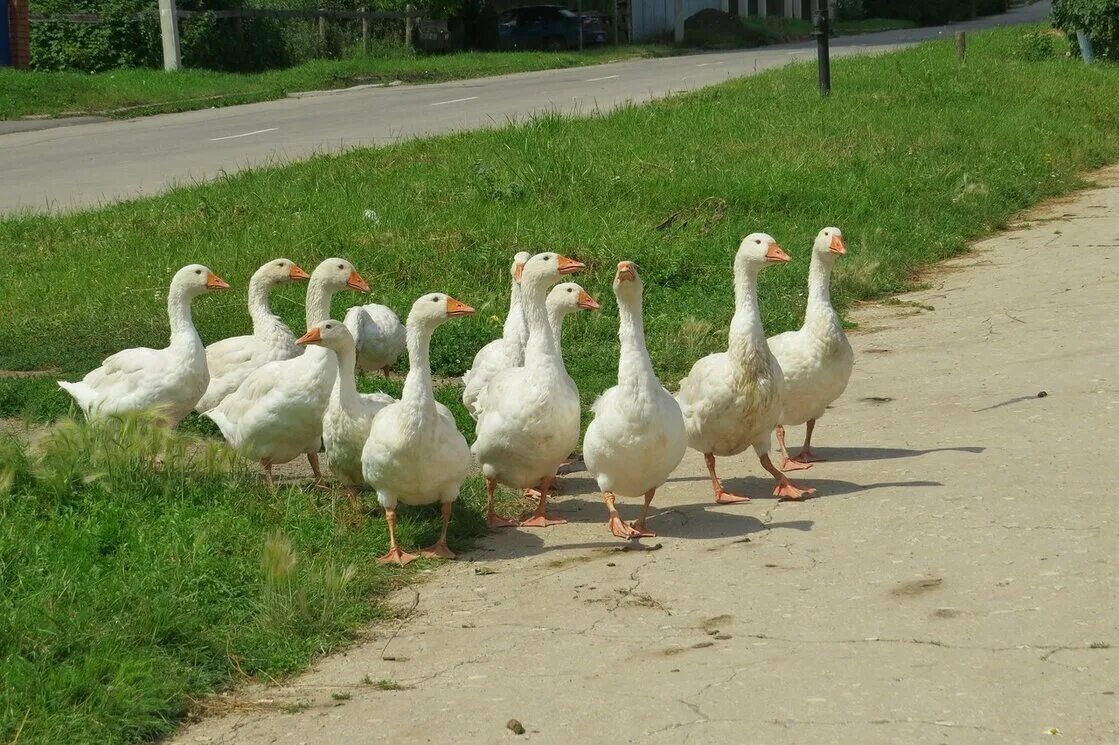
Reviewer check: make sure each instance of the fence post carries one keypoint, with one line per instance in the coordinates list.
(365, 33)
(616, 23)
(409, 24)
(961, 46)
(579, 6)
(169, 26)
(679, 26)
(19, 32)
(823, 53)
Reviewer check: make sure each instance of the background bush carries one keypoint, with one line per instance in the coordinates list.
(932, 12)
(850, 10)
(1099, 18)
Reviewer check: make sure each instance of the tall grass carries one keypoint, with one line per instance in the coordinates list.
(131, 586)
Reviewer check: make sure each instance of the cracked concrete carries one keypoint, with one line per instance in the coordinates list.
(954, 582)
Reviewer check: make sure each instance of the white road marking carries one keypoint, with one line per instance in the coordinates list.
(703, 64)
(244, 134)
(457, 100)
(606, 77)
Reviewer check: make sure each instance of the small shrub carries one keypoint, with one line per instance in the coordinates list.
(1036, 46)
(1098, 18)
(850, 10)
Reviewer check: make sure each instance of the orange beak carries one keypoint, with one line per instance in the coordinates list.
(586, 302)
(837, 246)
(775, 254)
(314, 336)
(214, 282)
(296, 273)
(518, 272)
(570, 266)
(456, 309)
(627, 272)
(355, 282)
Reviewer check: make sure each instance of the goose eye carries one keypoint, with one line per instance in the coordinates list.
(435, 300)
(569, 289)
(757, 241)
(341, 267)
(197, 271)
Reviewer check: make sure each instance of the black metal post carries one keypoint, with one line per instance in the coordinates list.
(823, 52)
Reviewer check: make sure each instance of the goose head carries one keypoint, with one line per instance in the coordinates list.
(195, 279)
(435, 308)
(519, 261)
(337, 274)
(756, 251)
(546, 268)
(829, 244)
(569, 297)
(330, 334)
(627, 283)
(280, 271)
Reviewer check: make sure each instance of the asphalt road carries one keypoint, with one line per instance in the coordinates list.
(84, 165)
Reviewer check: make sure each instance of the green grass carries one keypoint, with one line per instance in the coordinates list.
(137, 92)
(130, 592)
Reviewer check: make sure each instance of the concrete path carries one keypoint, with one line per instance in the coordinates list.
(954, 582)
(89, 164)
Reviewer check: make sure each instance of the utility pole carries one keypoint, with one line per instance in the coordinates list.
(169, 25)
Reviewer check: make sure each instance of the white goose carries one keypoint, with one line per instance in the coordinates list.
(277, 413)
(346, 423)
(499, 354)
(330, 277)
(732, 400)
(231, 360)
(166, 381)
(817, 359)
(529, 420)
(415, 453)
(379, 336)
(637, 437)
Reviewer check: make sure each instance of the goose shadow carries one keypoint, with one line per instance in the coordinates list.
(689, 521)
(760, 489)
(856, 454)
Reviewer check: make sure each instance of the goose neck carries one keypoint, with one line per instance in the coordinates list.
(746, 332)
(819, 288)
(345, 384)
(179, 315)
(515, 331)
(635, 368)
(417, 395)
(318, 302)
(543, 347)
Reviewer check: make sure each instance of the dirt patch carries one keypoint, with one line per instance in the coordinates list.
(917, 587)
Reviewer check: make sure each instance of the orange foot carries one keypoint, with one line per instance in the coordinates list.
(495, 521)
(542, 521)
(396, 556)
(807, 456)
(620, 529)
(725, 497)
(792, 464)
(642, 529)
(438, 551)
(789, 492)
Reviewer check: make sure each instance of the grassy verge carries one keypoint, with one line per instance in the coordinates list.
(131, 592)
(134, 590)
(778, 29)
(136, 92)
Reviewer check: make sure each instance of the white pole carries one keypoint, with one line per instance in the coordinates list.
(679, 22)
(169, 25)
(761, 8)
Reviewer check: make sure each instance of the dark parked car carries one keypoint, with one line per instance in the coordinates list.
(550, 27)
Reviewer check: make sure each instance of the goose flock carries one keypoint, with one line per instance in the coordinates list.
(276, 397)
